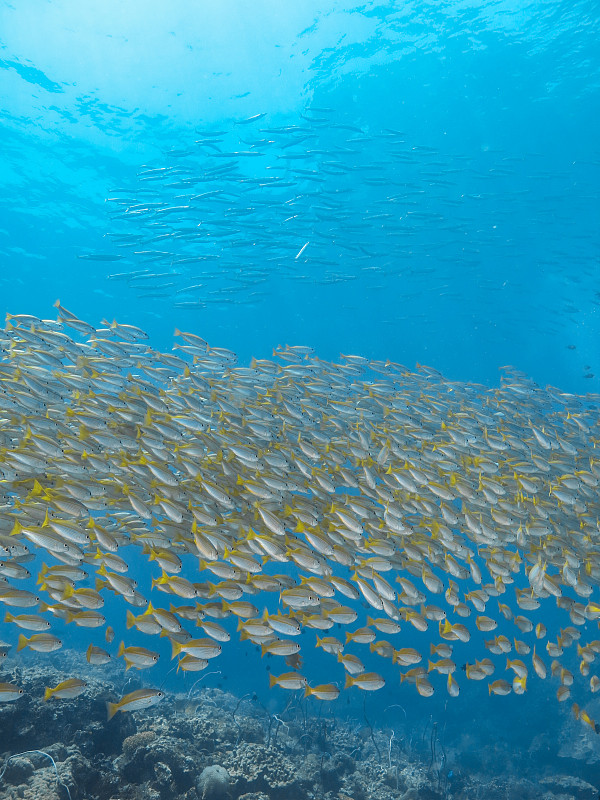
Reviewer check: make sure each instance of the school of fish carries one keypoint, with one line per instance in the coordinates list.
(292, 495)
(326, 199)
(275, 198)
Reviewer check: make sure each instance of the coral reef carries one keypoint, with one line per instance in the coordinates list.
(213, 745)
(213, 783)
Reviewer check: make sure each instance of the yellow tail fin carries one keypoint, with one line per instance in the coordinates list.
(177, 648)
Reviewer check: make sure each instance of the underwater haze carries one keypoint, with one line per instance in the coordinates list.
(299, 400)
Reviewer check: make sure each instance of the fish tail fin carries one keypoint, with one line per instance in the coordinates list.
(111, 710)
(149, 610)
(272, 681)
(177, 647)
(47, 694)
(8, 617)
(121, 650)
(349, 682)
(130, 619)
(68, 592)
(308, 691)
(22, 642)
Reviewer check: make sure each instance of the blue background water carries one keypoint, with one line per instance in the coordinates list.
(502, 266)
(489, 254)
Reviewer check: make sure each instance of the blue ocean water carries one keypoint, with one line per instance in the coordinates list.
(415, 182)
(489, 255)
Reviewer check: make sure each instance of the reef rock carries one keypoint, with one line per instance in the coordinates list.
(570, 786)
(213, 783)
(258, 768)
